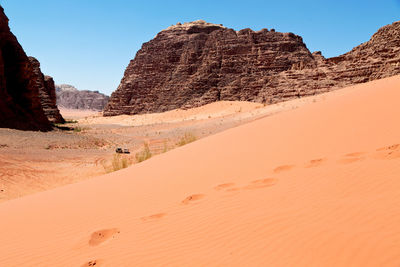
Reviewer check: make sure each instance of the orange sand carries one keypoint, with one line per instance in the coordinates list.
(314, 186)
(73, 114)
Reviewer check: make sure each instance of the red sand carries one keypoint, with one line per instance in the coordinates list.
(315, 186)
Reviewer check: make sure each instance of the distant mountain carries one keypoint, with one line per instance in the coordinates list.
(70, 97)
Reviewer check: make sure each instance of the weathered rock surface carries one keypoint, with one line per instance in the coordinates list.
(192, 64)
(27, 97)
(47, 93)
(72, 98)
(20, 105)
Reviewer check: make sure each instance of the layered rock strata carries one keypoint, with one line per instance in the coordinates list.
(192, 64)
(47, 93)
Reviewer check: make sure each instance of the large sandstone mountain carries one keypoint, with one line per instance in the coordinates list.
(192, 64)
(26, 100)
(70, 97)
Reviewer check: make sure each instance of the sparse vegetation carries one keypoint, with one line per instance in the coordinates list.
(165, 147)
(118, 162)
(144, 154)
(186, 139)
(62, 126)
(77, 129)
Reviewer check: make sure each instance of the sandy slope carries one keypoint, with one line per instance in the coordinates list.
(315, 186)
(32, 162)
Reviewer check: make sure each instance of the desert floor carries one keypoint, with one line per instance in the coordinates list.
(316, 185)
(31, 162)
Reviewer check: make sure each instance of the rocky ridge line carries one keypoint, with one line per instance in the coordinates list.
(193, 64)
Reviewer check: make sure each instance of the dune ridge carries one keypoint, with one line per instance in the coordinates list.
(314, 186)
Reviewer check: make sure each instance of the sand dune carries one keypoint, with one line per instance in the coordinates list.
(314, 186)
(32, 162)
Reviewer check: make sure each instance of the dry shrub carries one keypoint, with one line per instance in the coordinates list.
(186, 139)
(118, 162)
(165, 149)
(144, 154)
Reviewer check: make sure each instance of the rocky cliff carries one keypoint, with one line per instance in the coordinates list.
(47, 93)
(20, 105)
(22, 86)
(72, 98)
(193, 64)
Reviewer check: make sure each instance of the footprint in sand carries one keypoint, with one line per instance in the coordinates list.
(92, 263)
(261, 183)
(283, 168)
(355, 154)
(389, 152)
(315, 163)
(153, 217)
(233, 189)
(352, 157)
(192, 198)
(224, 186)
(389, 148)
(102, 236)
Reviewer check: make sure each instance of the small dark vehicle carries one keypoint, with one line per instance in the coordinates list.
(122, 151)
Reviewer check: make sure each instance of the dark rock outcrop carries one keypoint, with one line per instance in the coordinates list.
(20, 105)
(72, 98)
(47, 93)
(192, 64)
(27, 97)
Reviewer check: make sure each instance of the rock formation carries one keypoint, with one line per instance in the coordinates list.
(22, 86)
(192, 64)
(72, 98)
(20, 105)
(47, 93)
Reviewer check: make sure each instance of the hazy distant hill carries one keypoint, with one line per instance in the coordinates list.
(70, 97)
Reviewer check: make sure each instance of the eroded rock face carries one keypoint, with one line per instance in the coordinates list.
(27, 97)
(72, 98)
(192, 64)
(47, 93)
(20, 105)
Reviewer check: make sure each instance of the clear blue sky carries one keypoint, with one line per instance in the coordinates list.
(88, 43)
